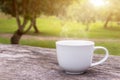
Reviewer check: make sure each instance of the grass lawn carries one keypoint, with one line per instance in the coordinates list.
(7, 25)
(113, 47)
(52, 26)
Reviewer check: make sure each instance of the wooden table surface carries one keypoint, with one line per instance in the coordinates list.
(34, 63)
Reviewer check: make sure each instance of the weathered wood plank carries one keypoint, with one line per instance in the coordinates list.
(34, 63)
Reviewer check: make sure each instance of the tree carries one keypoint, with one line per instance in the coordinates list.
(113, 12)
(82, 12)
(26, 11)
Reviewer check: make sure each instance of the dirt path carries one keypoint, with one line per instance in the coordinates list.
(57, 38)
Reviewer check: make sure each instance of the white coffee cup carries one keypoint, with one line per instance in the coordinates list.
(75, 56)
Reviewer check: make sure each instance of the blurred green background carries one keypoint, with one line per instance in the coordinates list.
(98, 21)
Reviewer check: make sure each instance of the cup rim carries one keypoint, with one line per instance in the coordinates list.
(74, 42)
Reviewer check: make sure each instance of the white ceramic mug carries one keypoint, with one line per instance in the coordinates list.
(75, 56)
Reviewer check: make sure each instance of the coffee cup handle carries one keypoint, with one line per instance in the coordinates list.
(104, 59)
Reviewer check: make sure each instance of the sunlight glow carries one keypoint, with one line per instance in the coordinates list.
(98, 3)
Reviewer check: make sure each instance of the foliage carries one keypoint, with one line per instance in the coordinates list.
(54, 7)
(31, 8)
(114, 8)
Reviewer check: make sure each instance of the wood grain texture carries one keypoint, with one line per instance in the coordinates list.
(34, 63)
